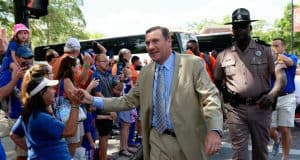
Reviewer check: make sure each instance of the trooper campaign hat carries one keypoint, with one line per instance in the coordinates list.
(241, 15)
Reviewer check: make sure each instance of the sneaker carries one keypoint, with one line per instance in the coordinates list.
(132, 149)
(125, 153)
(134, 144)
(276, 146)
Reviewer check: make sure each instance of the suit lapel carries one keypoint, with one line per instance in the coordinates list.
(149, 88)
(176, 75)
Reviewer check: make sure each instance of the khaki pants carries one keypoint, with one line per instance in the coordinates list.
(249, 120)
(164, 147)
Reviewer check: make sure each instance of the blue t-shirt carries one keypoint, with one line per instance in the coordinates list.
(89, 126)
(290, 72)
(15, 105)
(43, 135)
(2, 152)
(105, 83)
(12, 46)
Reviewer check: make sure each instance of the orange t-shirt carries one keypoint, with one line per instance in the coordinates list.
(78, 81)
(114, 69)
(209, 68)
(56, 65)
(134, 75)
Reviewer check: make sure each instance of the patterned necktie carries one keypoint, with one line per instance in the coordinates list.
(161, 125)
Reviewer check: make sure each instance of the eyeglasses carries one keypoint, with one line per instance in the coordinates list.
(106, 61)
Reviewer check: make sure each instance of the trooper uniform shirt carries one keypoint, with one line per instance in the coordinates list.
(246, 72)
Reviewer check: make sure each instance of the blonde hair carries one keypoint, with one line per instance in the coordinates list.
(36, 71)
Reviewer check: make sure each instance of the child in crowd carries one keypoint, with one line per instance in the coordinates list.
(88, 141)
(20, 38)
(126, 117)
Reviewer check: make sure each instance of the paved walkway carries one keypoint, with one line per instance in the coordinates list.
(113, 149)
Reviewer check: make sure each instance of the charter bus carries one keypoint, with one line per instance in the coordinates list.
(135, 43)
(214, 41)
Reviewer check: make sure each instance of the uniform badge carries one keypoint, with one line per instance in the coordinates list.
(258, 53)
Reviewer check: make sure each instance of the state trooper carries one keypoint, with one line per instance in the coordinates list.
(242, 74)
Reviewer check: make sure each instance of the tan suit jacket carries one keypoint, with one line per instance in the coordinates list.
(195, 106)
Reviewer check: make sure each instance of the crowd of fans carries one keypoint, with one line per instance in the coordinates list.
(30, 99)
(31, 95)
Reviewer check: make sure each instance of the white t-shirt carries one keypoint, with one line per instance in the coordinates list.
(297, 91)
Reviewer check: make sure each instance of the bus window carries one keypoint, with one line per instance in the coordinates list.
(135, 43)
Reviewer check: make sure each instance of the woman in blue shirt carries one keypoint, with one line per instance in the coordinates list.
(43, 133)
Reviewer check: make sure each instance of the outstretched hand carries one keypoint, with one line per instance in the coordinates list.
(87, 98)
(75, 96)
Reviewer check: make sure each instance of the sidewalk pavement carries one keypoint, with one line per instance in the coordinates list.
(113, 149)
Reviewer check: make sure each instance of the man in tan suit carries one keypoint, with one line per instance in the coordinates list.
(192, 117)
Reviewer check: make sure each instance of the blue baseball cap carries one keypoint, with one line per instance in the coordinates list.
(24, 52)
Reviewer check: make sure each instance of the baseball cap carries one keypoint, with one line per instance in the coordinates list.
(44, 83)
(71, 45)
(24, 52)
(19, 27)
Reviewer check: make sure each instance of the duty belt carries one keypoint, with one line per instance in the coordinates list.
(235, 99)
(247, 101)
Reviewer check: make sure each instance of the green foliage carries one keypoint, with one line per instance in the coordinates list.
(63, 21)
(196, 27)
(283, 27)
(95, 35)
(6, 15)
(261, 29)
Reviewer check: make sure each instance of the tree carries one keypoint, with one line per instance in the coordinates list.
(196, 27)
(6, 14)
(283, 27)
(262, 31)
(63, 21)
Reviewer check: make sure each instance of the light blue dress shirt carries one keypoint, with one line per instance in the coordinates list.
(168, 73)
(98, 103)
(168, 76)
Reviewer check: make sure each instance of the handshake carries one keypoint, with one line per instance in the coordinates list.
(79, 96)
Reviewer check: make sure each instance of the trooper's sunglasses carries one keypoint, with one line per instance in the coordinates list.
(240, 26)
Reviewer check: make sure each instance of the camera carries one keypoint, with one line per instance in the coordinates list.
(25, 66)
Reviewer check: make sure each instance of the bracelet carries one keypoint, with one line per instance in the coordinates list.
(86, 65)
(74, 107)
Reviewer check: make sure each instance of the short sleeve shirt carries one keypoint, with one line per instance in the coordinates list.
(105, 83)
(12, 46)
(77, 78)
(246, 72)
(43, 133)
(15, 105)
